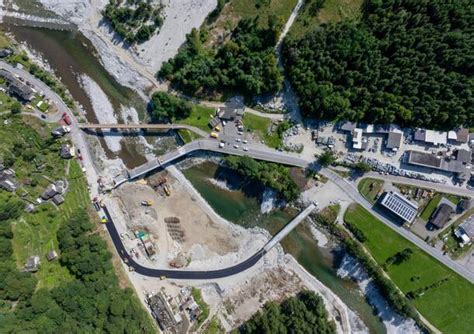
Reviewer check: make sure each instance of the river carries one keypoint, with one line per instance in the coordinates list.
(70, 54)
(242, 206)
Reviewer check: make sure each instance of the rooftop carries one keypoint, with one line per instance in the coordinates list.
(441, 215)
(400, 206)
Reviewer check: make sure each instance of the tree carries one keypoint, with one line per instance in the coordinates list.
(327, 158)
(16, 107)
(166, 107)
(362, 167)
(402, 63)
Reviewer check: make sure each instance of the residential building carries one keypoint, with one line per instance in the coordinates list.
(51, 255)
(67, 151)
(32, 264)
(441, 216)
(60, 131)
(465, 231)
(58, 199)
(7, 180)
(50, 191)
(400, 206)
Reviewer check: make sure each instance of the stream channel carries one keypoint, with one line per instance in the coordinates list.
(71, 54)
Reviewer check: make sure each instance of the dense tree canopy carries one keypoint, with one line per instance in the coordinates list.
(271, 175)
(91, 303)
(304, 313)
(165, 107)
(134, 20)
(245, 64)
(407, 61)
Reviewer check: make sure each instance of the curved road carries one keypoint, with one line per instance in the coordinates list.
(177, 274)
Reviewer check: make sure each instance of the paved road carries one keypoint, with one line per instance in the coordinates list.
(76, 134)
(257, 152)
(445, 188)
(350, 189)
(199, 274)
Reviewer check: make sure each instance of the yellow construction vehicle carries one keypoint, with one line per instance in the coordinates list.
(167, 190)
(147, 203)
(214, 135)
(217, 128)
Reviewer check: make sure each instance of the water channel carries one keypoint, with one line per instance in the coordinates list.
(71, 54)
(242, 206)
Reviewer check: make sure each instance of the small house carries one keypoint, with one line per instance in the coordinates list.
(58, 199)
(32, 264)
(465, 231)
(67, 151)
(441, 216)
(394, 141)
(51, 255)
(49, 192)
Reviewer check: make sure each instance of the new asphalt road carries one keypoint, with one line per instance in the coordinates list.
(177, 274)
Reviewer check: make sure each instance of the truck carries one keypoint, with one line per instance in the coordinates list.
(147, 203)
(214, 134)
(167, 190)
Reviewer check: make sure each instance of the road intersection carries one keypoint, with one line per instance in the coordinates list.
(258, 152)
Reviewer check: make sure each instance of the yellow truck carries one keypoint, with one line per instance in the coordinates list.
(167, 190)
(214, 134)
(217, 128)
(147, 203)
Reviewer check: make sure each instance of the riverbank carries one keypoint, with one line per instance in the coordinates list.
(134, 66)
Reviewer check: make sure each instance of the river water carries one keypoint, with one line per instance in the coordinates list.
(242, 206)
(70, 54)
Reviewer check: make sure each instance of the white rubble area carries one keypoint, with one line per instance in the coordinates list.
(103, 111)
(394, 323)
(135, 66)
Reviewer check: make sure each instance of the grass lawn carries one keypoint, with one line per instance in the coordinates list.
(448, 305)
(332, 11)
(260, 127)
(196, 293)
(249, 9)
(369, 188)
(200, 117)
(4, 41)
(35, 234)
(5, 102)
(433, 203)
(188, 136)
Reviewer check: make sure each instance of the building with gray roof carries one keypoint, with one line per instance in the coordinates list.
(400, 206)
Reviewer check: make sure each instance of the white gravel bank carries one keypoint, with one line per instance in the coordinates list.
(103, 111)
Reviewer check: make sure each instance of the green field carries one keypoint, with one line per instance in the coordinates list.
(369, 188)
(249, 9)
(332, 11)
(188, 136)
(5, 102)
(35, 234)
(199, 118)
(260, 126)
(447, 306)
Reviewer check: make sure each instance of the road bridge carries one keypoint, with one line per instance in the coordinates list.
(201, 274)
(254, 151)
(144, 126)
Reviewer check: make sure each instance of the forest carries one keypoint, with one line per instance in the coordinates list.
(91, 302)
(168, 108)
(271, 175)
(408, 62)
(303, 313)
(245, 64)
(134, 20)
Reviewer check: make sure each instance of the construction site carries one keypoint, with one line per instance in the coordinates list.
(170, 227)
